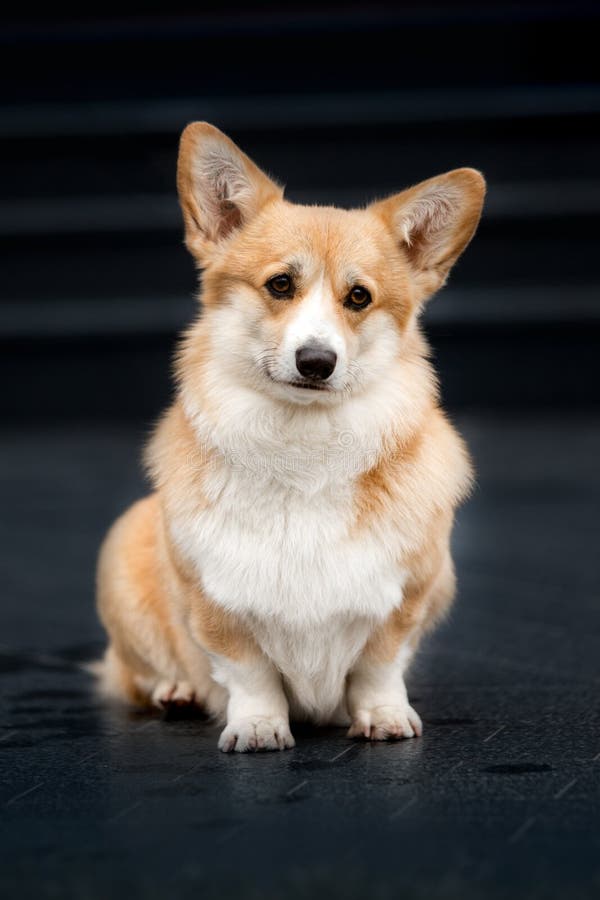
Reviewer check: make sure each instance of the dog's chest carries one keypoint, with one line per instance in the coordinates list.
(277, 554)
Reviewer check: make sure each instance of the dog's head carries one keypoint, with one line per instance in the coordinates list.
(311, 304)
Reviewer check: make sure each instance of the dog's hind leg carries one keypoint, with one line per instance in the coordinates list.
(146, 662)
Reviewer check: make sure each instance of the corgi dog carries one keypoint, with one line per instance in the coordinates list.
(295, 547)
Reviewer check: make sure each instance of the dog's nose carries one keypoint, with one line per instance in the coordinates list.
(316, 361)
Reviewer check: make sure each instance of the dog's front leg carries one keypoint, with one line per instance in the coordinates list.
(376, 694)
(257, 710)
(378, 702)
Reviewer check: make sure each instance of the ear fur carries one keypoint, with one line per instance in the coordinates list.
(220, 188)
(433, 223)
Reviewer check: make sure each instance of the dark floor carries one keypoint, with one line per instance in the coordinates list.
(500, 796)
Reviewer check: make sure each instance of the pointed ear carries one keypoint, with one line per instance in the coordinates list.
(220, 188)
(433, 222)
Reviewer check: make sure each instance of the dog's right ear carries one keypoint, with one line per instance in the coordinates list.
(220, 188)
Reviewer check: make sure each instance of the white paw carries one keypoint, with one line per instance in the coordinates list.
(256, 733)
(386, 723)
(173, 693)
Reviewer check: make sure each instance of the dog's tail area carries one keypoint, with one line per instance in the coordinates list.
(104, 671)
(95, 667)
(114, 680)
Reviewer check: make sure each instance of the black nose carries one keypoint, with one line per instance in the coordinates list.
(315, 361)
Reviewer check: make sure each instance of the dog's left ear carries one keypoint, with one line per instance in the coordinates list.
(220, 188)
(433, 222)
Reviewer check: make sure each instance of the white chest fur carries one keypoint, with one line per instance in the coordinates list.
(271, 552)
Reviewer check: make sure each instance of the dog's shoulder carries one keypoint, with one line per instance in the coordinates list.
(415, 478)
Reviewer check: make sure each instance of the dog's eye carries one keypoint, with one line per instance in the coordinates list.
(280, 285)
(358, 298)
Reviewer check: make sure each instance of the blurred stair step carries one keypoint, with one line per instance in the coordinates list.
(479, 307)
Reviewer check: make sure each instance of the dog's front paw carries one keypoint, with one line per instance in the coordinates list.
(256, 733)
(386, 723)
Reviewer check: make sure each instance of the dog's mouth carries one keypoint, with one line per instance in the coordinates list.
(303, 384)
(308, 385)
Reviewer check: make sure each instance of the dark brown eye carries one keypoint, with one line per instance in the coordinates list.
(280, 285)
(358, 298)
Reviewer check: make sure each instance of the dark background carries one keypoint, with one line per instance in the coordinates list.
(343, 103)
